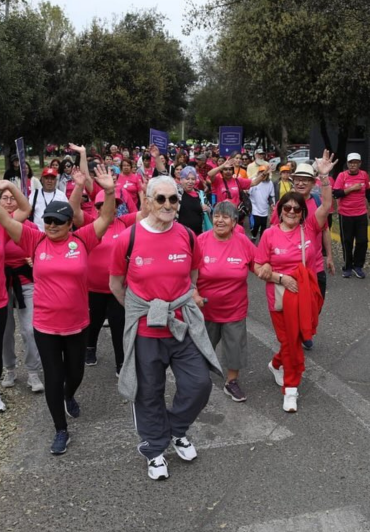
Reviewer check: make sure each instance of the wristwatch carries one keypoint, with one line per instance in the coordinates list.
(280, 277)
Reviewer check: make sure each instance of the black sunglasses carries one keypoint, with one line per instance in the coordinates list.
(49, 220)
(161, 199)
(289, 208)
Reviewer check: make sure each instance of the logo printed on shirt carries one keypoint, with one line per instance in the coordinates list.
(208, 259)
(72, 254)
(139, 261)
(115, 236)
(234, 260)
(306, 244)
(278, 251)
(45, 256)
(177, 258)
(73, 245)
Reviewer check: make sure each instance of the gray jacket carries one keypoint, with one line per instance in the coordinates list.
(160, 314)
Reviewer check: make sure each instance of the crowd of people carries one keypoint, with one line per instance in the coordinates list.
(157, 245)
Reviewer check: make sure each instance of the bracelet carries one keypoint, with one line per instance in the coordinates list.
(323, 176)
(280, 277)
(325, 184)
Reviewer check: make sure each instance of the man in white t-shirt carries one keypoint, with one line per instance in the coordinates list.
(44, 196)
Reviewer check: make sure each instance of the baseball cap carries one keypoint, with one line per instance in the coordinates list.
(14, 157)
(259, 151)
(49, 172)
(353, 157)
(201, 157)
(100, 197)
(61, 210)
(285, 168)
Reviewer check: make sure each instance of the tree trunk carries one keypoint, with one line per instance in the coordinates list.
(325, 134)
(40, 152)
(341, 149)
(284, 144)
(6, 153)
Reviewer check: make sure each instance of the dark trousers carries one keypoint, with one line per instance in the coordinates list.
(260, 224)
(321, 280)
(353, 228)
(3, 317)
(63, 362)
(155, 422)
(106, 306)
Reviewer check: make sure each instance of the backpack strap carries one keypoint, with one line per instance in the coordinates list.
(131, 242)
(191, 237)
(32, 213)
(317, 199)
(227, 188)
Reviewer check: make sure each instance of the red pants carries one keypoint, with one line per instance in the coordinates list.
(292, 370)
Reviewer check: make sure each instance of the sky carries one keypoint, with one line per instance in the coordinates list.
(81, 13)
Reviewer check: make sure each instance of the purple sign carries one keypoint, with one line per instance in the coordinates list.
(22, 165)
(160, 139)
(231, 139)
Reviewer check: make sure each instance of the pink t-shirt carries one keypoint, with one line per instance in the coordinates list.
(223, 276)
(160, 267)
(132, 183)
(60, 275)
(219, 188)
(312, 208)
(15, 257)
(283, 251)
(3, 292)
(355, 203)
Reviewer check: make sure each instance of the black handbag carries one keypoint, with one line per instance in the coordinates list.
(245, 205)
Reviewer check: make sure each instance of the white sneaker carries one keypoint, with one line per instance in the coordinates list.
(157, 468)
(2, 406)
(9, 379)
(184, 448)
(34, 382)
(290, 400)
(277, 373)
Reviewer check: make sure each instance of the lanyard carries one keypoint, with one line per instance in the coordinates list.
(52, 199)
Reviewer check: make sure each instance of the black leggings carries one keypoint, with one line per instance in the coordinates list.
(106, 306)
(3, 317)
(260, 223)
(63, 361)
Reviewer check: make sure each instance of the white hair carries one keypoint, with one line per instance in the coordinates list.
(161, 180)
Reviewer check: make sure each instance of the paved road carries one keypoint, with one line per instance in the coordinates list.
(259, 469)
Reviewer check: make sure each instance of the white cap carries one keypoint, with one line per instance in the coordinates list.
(143, 147)
(353, 157)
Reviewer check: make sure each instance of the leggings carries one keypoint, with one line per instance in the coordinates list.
(3, 317)
(63, 361)
(260, 224)
(106, 306)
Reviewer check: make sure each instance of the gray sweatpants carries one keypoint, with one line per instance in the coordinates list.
(154, 422)
(32, 360)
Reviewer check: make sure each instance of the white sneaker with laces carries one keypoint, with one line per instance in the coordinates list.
(184, 448)
(290, 400)
(34, 382)
(277, 373)
(9, 379)
(2, 406)
(157, 468)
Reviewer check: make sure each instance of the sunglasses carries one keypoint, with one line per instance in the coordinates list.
(161, 199)
(48, 220)
(289, 208)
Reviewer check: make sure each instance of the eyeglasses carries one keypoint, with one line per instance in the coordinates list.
(289, 208)
(6, 199)
(244, 158)
(67, 166)
(303, 180)
(48, 220)
(161, 199)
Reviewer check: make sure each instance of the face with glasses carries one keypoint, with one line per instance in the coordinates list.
(68, 168)
(163, 203)
(303, 185)
(8, 201)
(291, 214)
(56, 229)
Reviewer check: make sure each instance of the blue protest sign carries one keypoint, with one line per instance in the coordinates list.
(231, 139)
(22, 165)
(160, 139)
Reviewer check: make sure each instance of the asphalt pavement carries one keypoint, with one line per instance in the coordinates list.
(259, 469)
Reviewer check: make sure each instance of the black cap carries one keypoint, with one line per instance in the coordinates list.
(14, 157)
(61, 210)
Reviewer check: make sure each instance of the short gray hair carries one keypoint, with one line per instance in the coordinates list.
(161, 180)
(227, 208)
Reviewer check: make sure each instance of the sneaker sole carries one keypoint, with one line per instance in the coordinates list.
(278, 383)
(357, 275)
(162, 477)
(61, 452)
(91, 363)
(34, 390)
(182, 456)
(8, 385)
(226, 392)
(290, 411)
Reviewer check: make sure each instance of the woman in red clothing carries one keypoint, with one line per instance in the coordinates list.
(286, 258)
(61, 313)
(227, 258)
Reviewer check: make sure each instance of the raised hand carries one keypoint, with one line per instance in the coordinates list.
(103, 178)
(78, 177)
(325, 164)
(74, 147)
(154, 151)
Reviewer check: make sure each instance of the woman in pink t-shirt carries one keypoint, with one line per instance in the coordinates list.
(222, 290)
(61, 313)
(154, 265)
(131, 182)
(15, 196)
(286, 259)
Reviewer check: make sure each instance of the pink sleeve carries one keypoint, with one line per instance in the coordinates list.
(129, 219)
(339, 182)
(263, 253)
(245, 184)
(139, 183)
(118, 262)
(88, 236)
(312, 224)
(30, 239)
(197, 255)
(367, 180)
(274, 216)
(129, 201)
(95, 190)
(87, 218)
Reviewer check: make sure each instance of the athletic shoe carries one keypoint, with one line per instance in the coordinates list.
(2, 406)
(90, 356)
(61, 440)
(307, 344)
(157, 468)
(9, 379)
(290, 400)
(184, 448)
(346, 274)
(34, 383)
(233, 390)
(72, 407)
(359, 272)
(277, 373)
